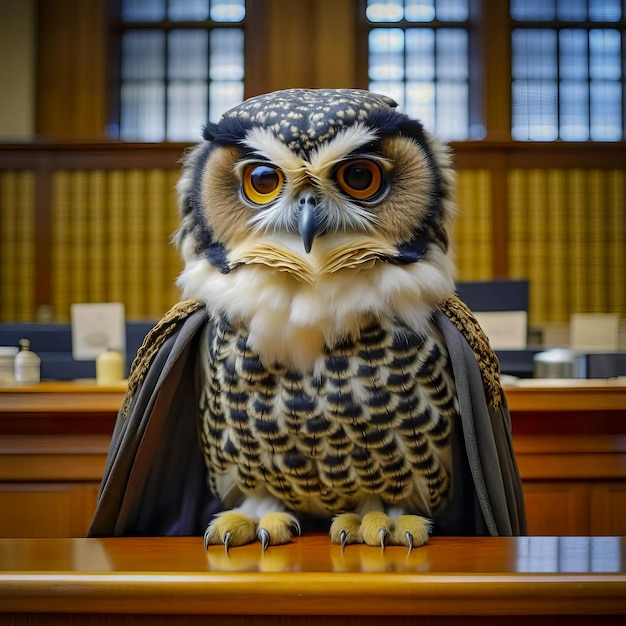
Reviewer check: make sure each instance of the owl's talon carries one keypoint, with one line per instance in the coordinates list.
(227, 537)
(296, 526)
(264, 538)
(409, 541)
(343, 536)
(382, 533)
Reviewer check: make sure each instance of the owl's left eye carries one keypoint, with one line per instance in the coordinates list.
(361, 179)
(262, 183)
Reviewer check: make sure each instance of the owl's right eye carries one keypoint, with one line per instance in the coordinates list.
(262, 183)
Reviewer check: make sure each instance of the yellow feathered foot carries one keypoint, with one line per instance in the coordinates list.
(378, 529)
(232, 528)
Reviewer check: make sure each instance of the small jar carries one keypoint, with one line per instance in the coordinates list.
(109, 368)
(27, 365)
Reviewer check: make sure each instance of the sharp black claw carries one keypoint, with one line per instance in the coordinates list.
(227, 541)
(206, 539)
(409, 540)
(343, 536)
(264, 537)
(296, 525)
(382, 533)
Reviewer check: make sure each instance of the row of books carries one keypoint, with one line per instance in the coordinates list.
(472, 233)
(17, 245)
(567, 235)
(111, 231)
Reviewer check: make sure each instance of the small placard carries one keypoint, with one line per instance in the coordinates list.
(506, 330)
(594, 332)
(97, 328)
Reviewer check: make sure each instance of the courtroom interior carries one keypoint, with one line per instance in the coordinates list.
(101, 99)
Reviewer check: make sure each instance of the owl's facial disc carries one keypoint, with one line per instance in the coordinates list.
(305, 201)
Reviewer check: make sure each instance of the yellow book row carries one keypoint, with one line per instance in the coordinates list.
(473, 230)
(567, 235)
(111, 240)
(17, 245)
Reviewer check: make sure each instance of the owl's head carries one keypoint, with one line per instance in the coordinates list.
(331, 197)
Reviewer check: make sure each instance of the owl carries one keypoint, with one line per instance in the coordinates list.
(315, 230)
(319, 371)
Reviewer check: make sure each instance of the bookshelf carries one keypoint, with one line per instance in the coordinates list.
(93, 221)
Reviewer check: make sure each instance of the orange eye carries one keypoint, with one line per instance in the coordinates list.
(361, 179)
(262, 183)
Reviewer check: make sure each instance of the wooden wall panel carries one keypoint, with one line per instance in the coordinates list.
(557, 508)
(608, 506)
(71, 69)
(46, 510)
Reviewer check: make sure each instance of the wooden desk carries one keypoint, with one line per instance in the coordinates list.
(174, 581)
(83, 406)
(569, 438)
(79, 407)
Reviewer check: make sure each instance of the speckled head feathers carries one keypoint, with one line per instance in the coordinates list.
(303, 118)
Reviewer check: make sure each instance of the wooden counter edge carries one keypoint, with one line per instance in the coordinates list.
(314, 594)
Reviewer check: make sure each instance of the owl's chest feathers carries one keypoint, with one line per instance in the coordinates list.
(373, 417)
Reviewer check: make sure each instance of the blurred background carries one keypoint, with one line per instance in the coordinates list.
(100, 98)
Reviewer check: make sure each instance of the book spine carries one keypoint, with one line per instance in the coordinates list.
(535, 181)
(79, 207)
(556, 248)
(577, 240)
(117, 265)
(484, 222)
(136, 241)
(26, 246)
(596, 250)
(61, 244)
(96, 237)
(8, 227)
(616, 230)
(157, 242)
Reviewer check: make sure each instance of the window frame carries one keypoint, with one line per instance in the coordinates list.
(255, 45)
(557, 26)
(490, 66)
(474, 29)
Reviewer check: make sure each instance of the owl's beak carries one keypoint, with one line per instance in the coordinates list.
(308, 219)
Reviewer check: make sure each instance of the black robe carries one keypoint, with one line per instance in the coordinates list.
(155, 479)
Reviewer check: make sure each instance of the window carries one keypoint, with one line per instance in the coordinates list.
(567, 70)
(419, 55)
(181, 65)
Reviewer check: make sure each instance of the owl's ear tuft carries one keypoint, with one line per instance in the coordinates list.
(209, 131)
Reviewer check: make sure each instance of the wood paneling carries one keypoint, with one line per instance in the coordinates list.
(47, 509)
(71, 69)
(608, 508)
(557, 508)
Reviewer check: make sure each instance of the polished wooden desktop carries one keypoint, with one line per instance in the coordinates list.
(175, 581)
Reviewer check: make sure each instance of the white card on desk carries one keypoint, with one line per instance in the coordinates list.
(594, 332)
(506, 330)
(96, 328)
